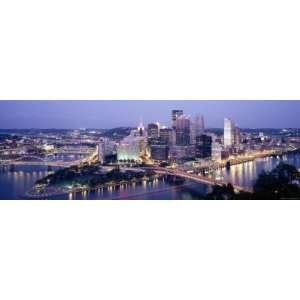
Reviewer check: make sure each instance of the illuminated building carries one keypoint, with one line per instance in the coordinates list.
(203, 146)
(153, 131)
(228, 133)
(101, 152)
(105, 148)
(192, 132)
(196, 128)
(182, 131)
(218, 152)
(237, 136)
(134, 146)
(199, 125)
(181, 152)
(159, 152)
(175, 115)
(165, 135)
(48, 147)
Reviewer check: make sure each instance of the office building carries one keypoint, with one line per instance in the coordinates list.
(228, 133)
(159, 152)
(153, 130)
(237, 136)
(203, 146)
(182, 131)
(175, 115)
(165, 135)
(134, 146)
(218, 152)
(101, 152)
(181, 152)
(199, 125)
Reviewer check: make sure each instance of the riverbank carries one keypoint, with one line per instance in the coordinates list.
(53, 191)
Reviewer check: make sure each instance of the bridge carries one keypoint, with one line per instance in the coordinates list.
(39, 161)
(211, 166)
(198, 178)
(79, 151)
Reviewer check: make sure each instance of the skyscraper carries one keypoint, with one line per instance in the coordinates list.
(101, 152)
(203, 146)
(237, 136)
(196, 128)
(153, 131)
(228, 133)
(182, 130)
(165, 135)
(175, 115)
(192, 132)
(199, 125)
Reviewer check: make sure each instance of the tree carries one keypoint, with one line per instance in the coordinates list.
(277, 184)
(224, 192)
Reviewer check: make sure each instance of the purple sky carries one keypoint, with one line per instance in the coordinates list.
(107, 114)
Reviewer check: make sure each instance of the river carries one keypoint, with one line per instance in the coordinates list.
(245, 174)
(15, 182)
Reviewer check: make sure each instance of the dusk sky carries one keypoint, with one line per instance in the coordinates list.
(108, 114)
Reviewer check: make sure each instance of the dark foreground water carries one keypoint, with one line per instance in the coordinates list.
(15, 182)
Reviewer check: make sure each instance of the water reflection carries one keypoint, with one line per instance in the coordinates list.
(245, 174)
(14, 182)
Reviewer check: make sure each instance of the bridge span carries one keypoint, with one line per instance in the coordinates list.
(38, 161)
(198, 178)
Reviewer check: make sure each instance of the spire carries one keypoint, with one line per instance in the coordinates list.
(141, 125)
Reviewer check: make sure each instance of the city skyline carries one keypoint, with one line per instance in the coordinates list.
(108, 114)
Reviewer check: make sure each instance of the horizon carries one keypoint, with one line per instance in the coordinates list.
(133, 127)
(109, 114)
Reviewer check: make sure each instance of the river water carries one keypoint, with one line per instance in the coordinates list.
(15, 182)
(245, 174)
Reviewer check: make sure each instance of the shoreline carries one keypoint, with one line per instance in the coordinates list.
(63, 192)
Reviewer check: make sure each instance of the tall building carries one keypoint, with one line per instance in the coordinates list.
(182, 130)
(203, 146)
(237, 136)
(192, 132)
(133, 146)
(196, 128)
(199, 125)
(218, 152)
(101, 152)
(165, 135)
(175, 115)
(153, 130)
(228, 133)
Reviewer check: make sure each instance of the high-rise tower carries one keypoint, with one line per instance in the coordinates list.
(199, 125)
(182, 130)
(175, 115)
(228, 133)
